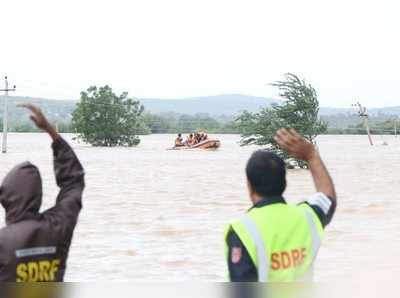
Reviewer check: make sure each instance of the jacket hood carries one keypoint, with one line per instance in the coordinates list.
(21, 193)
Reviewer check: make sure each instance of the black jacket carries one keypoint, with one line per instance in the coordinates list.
(34, 246)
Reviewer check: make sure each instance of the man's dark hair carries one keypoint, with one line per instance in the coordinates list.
(266, 173)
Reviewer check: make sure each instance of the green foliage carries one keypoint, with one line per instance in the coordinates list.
(164, 123)
(104, 119)
(182, 123)
(386, 127)
(299, 111)
(377, 127)
(23, 127)
(188, 123)
(65, 127)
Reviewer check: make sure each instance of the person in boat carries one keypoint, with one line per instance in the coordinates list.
(190, 140)
(179, 141)
(197, 138)
(35, 245)
(276, 241)
(202, 136)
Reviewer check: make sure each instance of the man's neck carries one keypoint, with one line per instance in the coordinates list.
(256, 198)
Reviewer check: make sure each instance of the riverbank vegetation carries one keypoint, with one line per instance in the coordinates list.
(339, 121)
(172, 123)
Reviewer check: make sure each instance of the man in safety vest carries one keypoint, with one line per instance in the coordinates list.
(276, 241)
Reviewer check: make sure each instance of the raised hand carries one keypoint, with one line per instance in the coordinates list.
(296, 145)
(39, 119)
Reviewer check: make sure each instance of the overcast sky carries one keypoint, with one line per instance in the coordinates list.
(170, 49)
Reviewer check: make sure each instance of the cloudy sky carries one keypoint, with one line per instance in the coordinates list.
(170, 49)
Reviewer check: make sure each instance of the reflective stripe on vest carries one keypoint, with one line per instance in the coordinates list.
(261, 251)
(316, 239)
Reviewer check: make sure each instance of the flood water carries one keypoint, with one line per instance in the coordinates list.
(157, 215)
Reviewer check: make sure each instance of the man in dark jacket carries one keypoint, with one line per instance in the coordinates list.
(34, 246)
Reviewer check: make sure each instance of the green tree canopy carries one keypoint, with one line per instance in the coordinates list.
(103, 118)
(183, 123)
(299, 111)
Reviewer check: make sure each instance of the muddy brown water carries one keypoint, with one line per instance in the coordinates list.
(156, 215)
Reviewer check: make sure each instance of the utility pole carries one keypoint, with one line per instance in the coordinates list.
(363, 114)
(395, 128)
(5, 115)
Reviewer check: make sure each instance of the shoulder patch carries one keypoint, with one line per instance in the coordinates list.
(236, 255)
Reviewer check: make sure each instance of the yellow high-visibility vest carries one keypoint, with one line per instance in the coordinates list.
(282, 240)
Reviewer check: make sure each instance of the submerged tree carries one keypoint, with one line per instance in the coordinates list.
(103, 118)
(299, 111)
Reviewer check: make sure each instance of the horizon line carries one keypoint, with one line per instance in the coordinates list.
(199, 97)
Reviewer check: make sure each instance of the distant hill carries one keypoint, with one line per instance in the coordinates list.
(219, 106)
(216, 106)
(60, 110)
(227, 104)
